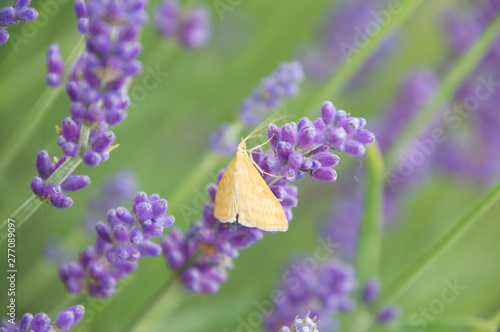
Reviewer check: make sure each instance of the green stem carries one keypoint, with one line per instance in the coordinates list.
(457, 323)
(352, 65)
(371, 226)
(16, 142)
(449, 86)
(165, 300)
(496, 318)
(455, 233)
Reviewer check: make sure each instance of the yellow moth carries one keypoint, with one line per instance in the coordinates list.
(245, 197)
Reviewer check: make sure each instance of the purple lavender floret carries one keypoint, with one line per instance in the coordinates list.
(324, 293)
(12, 15)
(191, 27)
(119, 244)
(54, 194)
(302, 325)
(41, 322)
(55, 66)
(271, 92)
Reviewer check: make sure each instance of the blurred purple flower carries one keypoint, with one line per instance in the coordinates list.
(271, 92)
(192, 27)
(118, 246)
(12, 15)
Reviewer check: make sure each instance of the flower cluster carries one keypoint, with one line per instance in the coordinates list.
(323, 292)
(271, 92)
(191, 27)
(55, 66)
(12, 15)
(303, 147)
(42, 323)
(302, 325)
(205, 252)
(99, 80)
(53, 193)
(118, 246)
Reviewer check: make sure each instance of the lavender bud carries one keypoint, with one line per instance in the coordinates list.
(25, 322)
(102, 141)
(125, 215)
(75, 182)
(121, 233)
(38, 186)
(325, 174)
(92, 158)
(103, 231)
(43, 164)
(148, 248)
(40, 323)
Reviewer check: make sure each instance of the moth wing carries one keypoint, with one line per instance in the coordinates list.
(257, 205)
(225, 201)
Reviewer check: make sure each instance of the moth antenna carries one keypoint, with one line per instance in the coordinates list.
(273, 118)
(258, 146)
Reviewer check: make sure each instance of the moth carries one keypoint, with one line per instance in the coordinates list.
(244, 197)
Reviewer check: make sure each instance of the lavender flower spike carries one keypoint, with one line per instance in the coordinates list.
(64, 321)
(118, 246)
(271, 92)
(12, 15)
(302, 325)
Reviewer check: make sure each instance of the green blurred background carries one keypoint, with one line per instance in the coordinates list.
(165, 137)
